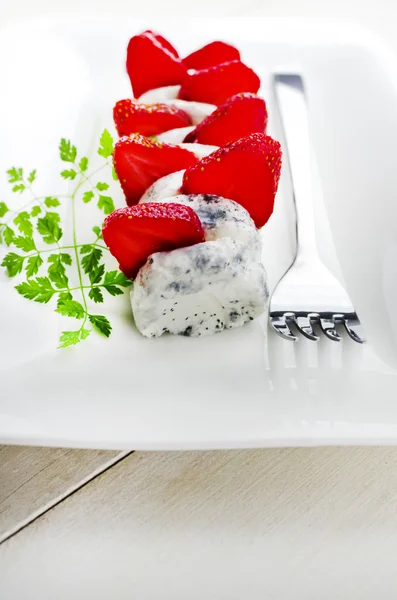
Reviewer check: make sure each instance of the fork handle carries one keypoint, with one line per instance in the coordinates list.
(294, 117)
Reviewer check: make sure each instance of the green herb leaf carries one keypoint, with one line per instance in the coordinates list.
(24, 243)
(113, 290)
(102, 186)
(36, 210)
(22, 221)
(91, 260)
(98, 231)
(32, 176)
(69, 174)
(83, 164)
(33, 265)
(96, 274)
(15, 174)
(18, 188)
(106, 204)
(88, 196)
(13, 263)
(71, 338)
(67, 152)
(101, 324)
(8, 235)
(70, 308)
(114, 174)
(66, 258)
(51, 202)
(95, 294)
(49, 229)
(39, 290)
(105, 144)
(57, 272)
(3, 209)
(116, 278)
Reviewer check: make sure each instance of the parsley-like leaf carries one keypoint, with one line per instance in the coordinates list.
(18, 188)
(66, 258)
(95, 294)
(36, 210)
(101, 323)
(96, 274)
(116, 278)
(22, 221)
(57, 272)
(67, 152)
(15, 174)
(51, 202)
(39, 290)
(71, 338)
(24, 243)
(33, 265)
(13, 263)
(114, 174)
(70, 308)
(32, 176)
(106, 204)
(98, 231)
(91, 260)
(105, 144)
(3, 209)
(49, 229)
(83, 164)
(88, 196)
(8, 235)
(102, 186)
(69, 174)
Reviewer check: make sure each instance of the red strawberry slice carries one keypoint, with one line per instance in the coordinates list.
(238, 117)
(131, 117)
(216, 84)
(151, 65)
(164, 42)
(246, 171)
(139, 162)
(133, 233)
(211, 54)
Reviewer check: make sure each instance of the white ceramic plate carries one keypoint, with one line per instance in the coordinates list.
(242, 388)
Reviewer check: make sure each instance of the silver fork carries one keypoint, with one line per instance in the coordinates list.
(308, 298)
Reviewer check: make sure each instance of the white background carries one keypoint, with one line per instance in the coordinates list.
(262, 524)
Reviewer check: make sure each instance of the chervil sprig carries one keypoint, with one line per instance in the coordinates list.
(35, 236)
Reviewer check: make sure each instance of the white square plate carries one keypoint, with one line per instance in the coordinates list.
(242, 388)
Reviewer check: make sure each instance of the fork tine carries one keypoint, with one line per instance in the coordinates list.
(281, 327)
(305, 326)
(350, 328)
(328, 327)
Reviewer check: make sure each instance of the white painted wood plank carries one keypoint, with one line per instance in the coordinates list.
(274, 524)
(32, 479)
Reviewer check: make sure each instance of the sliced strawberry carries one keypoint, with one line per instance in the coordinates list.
(216, 84)
(238, 117)
(139, 162)
(214, 53)
(151, 65)
(133, 233)
(131, 117)
(246, 171)
(164, 42)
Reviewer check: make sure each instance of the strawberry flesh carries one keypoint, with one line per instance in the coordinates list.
(211, 54)
(246, 171)
(218, 83)
(163, 42)
(133, 233)
(238, 117)
(131, 117)
(139, 162)
(151, 65)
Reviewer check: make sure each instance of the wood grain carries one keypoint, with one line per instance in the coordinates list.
(33, 479)
(274, 524)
